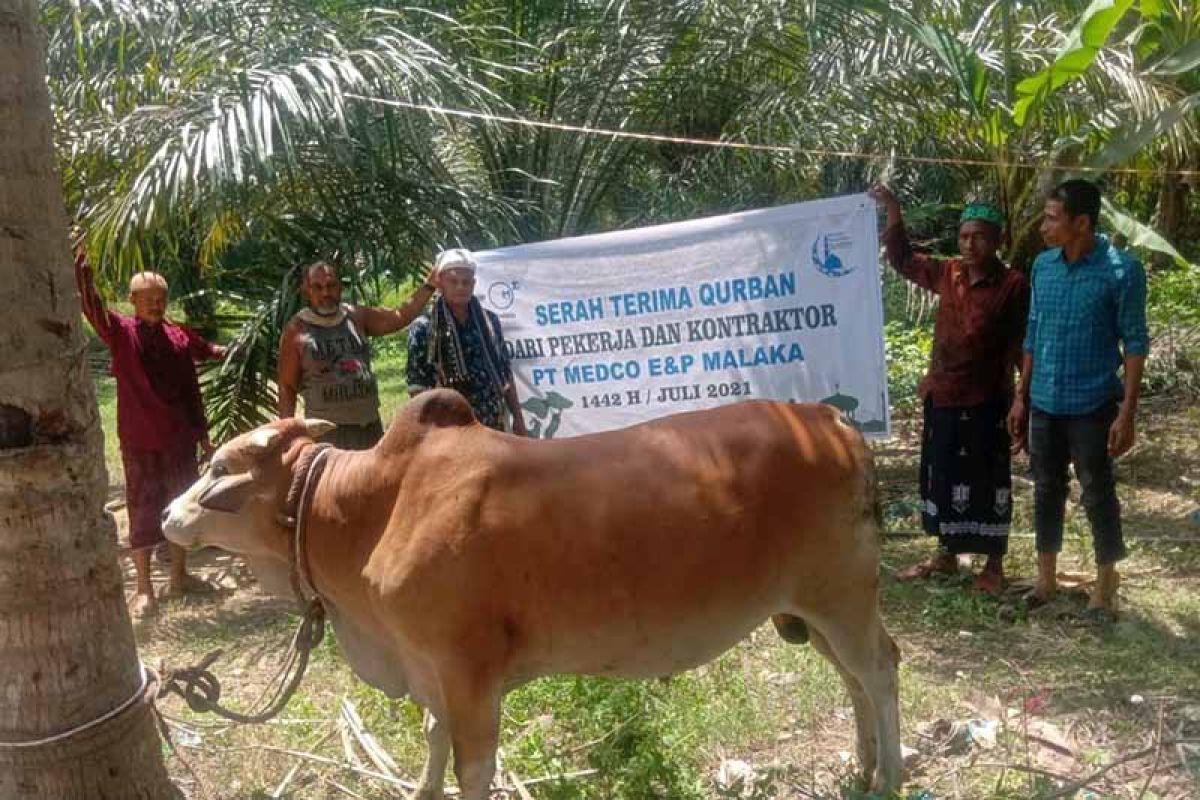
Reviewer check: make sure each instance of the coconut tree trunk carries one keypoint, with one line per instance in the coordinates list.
(1172, 211)
(67, 652)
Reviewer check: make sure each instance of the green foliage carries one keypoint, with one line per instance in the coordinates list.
(1126, 142)
(907, 351)
(240, 391)
(643, 755)
(1137, 234)
(631, 731)
(224, 144)
(1175, 297)
(1173, 309)
(1075, 58)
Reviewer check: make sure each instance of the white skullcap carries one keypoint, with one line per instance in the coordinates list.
(147, 280)
(458, 258)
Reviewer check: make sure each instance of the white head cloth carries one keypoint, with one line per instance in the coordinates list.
(458, 258)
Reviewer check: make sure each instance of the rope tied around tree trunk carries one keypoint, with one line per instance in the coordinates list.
(197, 685)
(145, 691)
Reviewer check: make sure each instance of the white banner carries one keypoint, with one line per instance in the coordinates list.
(609, 330)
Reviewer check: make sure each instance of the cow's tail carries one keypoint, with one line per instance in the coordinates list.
(872, 502)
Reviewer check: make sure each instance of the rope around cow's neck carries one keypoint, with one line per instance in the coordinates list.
(199, 688)
(309, 468)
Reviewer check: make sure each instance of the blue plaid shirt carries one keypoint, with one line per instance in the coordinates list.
(1077, 315)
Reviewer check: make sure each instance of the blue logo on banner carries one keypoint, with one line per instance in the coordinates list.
(500, 295)
(825, 259)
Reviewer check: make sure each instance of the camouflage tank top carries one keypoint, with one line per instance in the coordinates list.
(336, 380)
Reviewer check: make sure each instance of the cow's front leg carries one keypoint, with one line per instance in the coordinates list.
(474, 718)
(433, 776)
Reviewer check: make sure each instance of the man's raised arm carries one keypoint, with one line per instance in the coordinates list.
(382, 321)
(90, 300)
(923, 270)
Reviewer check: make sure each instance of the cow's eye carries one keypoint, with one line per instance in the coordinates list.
(218, 471)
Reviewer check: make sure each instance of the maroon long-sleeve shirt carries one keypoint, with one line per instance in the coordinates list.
(158, 393)
(979, 327)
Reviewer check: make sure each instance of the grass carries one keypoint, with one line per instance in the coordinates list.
(1065, 699)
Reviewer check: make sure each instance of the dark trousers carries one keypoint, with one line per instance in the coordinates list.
(355, 437)
(1054, 442)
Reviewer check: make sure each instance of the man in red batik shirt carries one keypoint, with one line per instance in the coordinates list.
(966, 467)
(160, 418)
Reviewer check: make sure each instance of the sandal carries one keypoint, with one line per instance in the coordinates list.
(1032, 602)
(1098, 616)
(934, 565)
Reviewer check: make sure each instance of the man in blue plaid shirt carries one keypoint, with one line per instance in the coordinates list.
(1087, 317)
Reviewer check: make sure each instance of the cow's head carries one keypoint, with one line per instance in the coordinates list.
(236, 503)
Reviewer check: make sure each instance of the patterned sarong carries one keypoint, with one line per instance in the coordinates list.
(153, 478)
(966, 478)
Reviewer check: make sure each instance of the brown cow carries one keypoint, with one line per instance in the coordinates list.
(456, 562)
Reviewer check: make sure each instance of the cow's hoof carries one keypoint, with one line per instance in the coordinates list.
(428, 794)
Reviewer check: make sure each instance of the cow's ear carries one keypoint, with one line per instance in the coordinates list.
(316, 428)
(227, 494)
(262, 440)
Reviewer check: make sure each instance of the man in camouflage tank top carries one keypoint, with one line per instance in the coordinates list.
(325, 357)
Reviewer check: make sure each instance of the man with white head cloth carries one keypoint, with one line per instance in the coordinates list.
(460, 346)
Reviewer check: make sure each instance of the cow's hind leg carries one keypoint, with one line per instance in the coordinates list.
(473, 712)
(865, 650)
(433, 775)
(864, 712)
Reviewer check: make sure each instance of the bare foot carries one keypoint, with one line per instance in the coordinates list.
(1046, 585)
(142, 606)
(188, 584)
(989, 582)
(943, 563)
(1104, 596)
(1040, 596)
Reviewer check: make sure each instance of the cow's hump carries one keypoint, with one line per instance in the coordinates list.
(441, 408)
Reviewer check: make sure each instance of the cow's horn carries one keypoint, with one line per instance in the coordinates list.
(318, 427)
(262, 439)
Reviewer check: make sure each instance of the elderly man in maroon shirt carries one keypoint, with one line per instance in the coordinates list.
(966, 467)
(160, 418)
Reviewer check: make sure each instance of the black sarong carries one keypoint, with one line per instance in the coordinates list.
(966, 478)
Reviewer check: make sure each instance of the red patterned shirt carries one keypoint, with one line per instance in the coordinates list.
(158, 394)
(979, 328)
